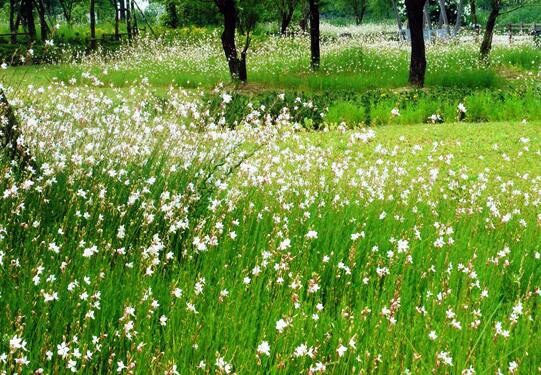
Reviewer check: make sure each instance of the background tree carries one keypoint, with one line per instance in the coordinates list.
(314, 34)
(496, 10)
(358, 7)
(414, 11)
(28, 14)
(286, 9)
(92, 24)
(473, 11)
(245, 14)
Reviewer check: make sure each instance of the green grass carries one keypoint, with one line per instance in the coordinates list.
(360, 241)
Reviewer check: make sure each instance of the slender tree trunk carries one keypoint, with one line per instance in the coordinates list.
(428, 23)
(363, 11)
(473, 11)
(243, 73)
(398, 21)
(414, 10)
(286, 20)
(443, 15)
(128, 19)
(314, 34)
(44, 29)
(29, 19)
(486, 45)
(228, 9)
(12, 30)
(117, 20)
(92, 24)
(122, 9)
(134, 15)
(460, 12)
(305, 16)
(172, 12)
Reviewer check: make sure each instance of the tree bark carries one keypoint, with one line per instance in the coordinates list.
(314, 34)
(363, 11)
(29, 18)
(44, 29)
(92, 24)
(117, 20)
(122, 10)
(486, 45)
(12, 29)
(460, 12)
(228, 9)
(134, 16)
(287, 15)
(398, 21)
(128, 19)
(443, 14)
(428, 22)
(473, 8)
(414, 10)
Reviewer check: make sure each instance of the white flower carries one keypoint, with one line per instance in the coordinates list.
(341, 350)
(163, 320)
(301, 350)
(49, 43)
(264, 348)
(461, 108)
(281, 325)
(445, 358)
(395, 112)
(227, 98)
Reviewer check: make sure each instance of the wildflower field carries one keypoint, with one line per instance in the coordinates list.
(333, 222)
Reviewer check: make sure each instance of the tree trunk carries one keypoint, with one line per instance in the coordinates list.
(398, 21)
(92, 24)
(44, 29)
(414, 10)
(117, 20)
(286, 20)
(12, 29)
(356, 12)
(305, 14)
(128, 19)
(134, 16)
(460, 12)
(363, 11)
(122, 10)
(29, 19)
(486, 45)
(443, 15)
(314, 34)
(65, 11)
(173, 16)
(228, 9)
(473, 8)
(428, 23)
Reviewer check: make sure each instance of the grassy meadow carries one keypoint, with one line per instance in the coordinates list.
(333, 222)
